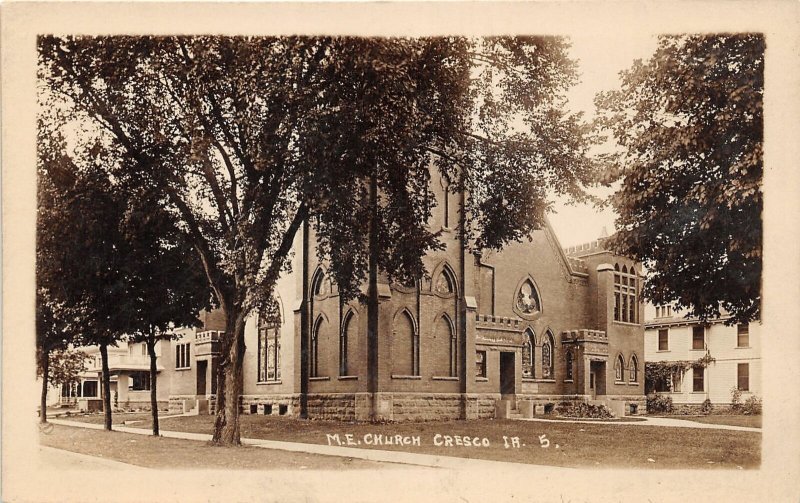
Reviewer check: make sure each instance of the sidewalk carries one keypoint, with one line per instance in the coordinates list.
(653, 421)
(60, 459)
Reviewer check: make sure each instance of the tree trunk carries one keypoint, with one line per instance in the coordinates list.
(45, 371)
(151, 350)
(106, 387)
(226, 425)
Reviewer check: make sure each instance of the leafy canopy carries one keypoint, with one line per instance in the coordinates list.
(689, 124)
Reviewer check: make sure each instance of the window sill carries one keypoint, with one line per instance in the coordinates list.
(743, 347)
(662, 351)
(444, 378)
(410, 378)
(348, 378)
(633, 384)
(268, 383)
(481, 379)
(697, 349)
(626, 323)
(183, 368)
(568, 381)
(530, 379)
(619, 382)
(324, 378)
(698, 392)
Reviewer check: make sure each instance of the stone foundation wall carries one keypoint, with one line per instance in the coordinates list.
(425, 406)
(272, 405)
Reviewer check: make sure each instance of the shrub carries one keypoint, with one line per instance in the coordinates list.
(752, 406)
(707, 406)
(659, 403)
(584, 410)
(736, 399)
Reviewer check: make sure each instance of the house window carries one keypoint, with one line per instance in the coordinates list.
(547, 357)
(269, 344)
(663, 339)
(144, 349)
(633, 369)
(698, 379)
(625, 294)
(743, 376)
(619, 368)
(742, 335)
(140, 381)
(698, 337)
(480, 363)
(568, 364)
(182, 356)
(527, 354)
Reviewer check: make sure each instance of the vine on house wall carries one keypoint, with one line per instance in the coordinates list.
(663, 371)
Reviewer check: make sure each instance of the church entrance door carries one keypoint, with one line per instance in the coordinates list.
(507, 375)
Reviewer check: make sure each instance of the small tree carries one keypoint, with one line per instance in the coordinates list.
(65, 367)
(166, 279)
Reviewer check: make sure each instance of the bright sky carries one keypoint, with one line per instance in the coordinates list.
(600, 59)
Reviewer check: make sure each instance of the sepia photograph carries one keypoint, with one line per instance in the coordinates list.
(384, 265)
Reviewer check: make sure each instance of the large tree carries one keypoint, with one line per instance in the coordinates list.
(249, 138)
(689, 125)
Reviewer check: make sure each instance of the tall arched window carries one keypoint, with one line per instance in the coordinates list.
(405, 345)
(568, 365)
(626, 284)
(344, 344)
(547, 357)
(442, 358)
(619, 368)
(527, 353)
(633, 370)
(269, 342)
(314, 349)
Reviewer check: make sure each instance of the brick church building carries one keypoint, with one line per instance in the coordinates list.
(522, 329)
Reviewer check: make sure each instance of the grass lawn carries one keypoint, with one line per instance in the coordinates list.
(730, 420)
(570, 444)
(175, 453)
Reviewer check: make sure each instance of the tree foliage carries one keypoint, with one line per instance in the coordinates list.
(248, 137)
(689, 124)
(65, 366)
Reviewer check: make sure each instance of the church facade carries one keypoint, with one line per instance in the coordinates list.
(511, 332)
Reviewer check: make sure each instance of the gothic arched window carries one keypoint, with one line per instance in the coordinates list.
(619, 368)
(269, 341)
(633, 370)
(547, 357)
(527, 354)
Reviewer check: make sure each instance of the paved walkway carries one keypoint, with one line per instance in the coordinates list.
(653, 421)
(60, 459)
